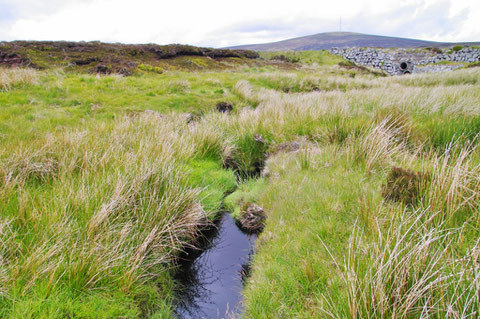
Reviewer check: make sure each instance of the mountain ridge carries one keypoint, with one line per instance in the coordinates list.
(328, 40)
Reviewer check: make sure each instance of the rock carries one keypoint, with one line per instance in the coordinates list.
(388, 60)
(288, 147)
(259, 139)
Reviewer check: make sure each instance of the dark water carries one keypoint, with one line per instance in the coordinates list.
(212, 277)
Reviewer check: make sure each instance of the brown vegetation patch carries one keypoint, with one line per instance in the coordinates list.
(352, 66)
(284, 58)
(12, 59)
(404, 185)
(474, 65)
(434, 50)
(85, 61)
(106, 58)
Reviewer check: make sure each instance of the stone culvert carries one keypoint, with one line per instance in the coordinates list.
(405, 67)
(415, 60)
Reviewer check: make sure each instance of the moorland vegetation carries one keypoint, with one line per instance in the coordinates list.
(370, 186)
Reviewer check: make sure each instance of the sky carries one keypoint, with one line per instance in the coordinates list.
(220, 23)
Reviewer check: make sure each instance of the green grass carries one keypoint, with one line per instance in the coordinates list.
(247, 192)
(305, 206)
(65, 99)
(214, 181)
(104, 179)
(441, 130)
(322, 57)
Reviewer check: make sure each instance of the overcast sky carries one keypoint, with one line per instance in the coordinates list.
(223, 23)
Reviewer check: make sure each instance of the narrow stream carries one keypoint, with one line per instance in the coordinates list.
(212, 277)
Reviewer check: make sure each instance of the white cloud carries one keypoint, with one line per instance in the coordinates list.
(218, 23)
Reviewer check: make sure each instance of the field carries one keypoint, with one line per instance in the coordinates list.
(370, 185)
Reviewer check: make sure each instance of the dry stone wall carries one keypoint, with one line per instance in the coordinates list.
(400, 61)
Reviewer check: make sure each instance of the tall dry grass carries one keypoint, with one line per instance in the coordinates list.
(455, 181)
(382, 143)
(410, 269)
(114, 206)
(10, 78)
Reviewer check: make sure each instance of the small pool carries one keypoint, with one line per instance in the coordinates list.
(212, 276)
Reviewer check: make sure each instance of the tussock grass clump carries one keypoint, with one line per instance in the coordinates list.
(10, 78)
(294, 82)
(9, 248)
(410, 270)
(249, 155)
(455, 182)
(381, 144)
(404, 185)
(24, 166)
(180, 86)
(209, 142)
(398, 120)
(460, 77)
(105, 208)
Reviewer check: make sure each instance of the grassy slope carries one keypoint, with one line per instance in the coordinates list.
(144, 182)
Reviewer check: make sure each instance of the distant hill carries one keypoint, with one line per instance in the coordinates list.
(328, 40)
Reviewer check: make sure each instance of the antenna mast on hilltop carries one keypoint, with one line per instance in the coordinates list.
(340, 25)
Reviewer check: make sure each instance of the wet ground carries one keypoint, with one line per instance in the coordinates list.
(212, 277)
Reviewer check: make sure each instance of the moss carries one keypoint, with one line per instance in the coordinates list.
(214, 181)
(200, 62)
(247, 192)
(66, 304)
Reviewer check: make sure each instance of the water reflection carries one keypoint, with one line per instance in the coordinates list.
(211, 278)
